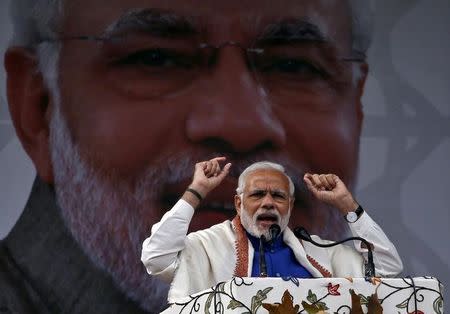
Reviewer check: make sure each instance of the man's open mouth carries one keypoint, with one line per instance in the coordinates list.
(267, 217)
(265, 220)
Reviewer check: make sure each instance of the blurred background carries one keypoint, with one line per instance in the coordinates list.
(404, 177)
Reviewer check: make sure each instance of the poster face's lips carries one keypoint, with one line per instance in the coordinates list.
(223, 193)
(216, 207)
(205, 219)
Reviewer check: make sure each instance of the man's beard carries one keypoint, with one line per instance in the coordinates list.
(250, 223)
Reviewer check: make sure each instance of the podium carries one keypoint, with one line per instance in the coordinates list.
(318, 295)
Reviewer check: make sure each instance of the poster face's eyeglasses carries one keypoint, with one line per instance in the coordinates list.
(154, 67)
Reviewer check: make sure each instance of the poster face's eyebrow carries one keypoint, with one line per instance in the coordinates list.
(291, 30)
(156, 22)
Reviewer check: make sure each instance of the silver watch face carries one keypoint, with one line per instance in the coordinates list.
(351, 217)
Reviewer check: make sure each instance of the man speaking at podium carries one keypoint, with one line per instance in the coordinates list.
(264, 197)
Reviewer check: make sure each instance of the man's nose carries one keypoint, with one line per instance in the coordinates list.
(268, 202)
(232, 109)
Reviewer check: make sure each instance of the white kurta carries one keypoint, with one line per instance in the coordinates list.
(201, 259)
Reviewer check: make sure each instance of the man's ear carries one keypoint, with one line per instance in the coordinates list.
(29, 105)
(237, 204)
(291, 202)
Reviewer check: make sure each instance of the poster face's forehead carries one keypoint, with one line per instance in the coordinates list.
(221, 18)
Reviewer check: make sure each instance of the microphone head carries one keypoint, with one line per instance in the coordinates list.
(274, 231)
(302, 233)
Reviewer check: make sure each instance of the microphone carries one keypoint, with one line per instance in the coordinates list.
(303, 234)
(274, 231)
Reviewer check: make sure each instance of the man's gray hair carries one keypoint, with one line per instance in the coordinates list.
(262, 165)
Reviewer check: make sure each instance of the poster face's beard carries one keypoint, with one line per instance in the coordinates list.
(250, 223)
(107, 217)
(110, 217)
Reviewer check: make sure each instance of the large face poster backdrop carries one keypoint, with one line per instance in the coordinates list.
(124, 139)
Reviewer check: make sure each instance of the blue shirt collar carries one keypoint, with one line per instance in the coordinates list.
(277, 244)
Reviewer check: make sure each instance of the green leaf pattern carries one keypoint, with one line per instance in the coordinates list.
(403, 305)
(364, 299)
(312, 298)
(234, 304)
(260, 296)
(438, 305)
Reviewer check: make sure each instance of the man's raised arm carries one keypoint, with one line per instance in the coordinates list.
(330, 189)
(160, 250)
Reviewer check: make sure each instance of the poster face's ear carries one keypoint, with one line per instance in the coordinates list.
(360, 85)
(29, 105)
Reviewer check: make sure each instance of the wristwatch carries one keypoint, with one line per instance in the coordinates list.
(354, 216)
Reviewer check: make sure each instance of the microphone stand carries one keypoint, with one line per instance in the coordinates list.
(303, 234)
(262, 258)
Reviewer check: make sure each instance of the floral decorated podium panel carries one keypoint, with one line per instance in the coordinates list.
(319, 295)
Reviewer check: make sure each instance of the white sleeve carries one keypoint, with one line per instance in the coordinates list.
(385, 256)
(160, 250)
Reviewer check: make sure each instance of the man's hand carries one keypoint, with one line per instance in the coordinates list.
(330, 189)
(207, 176)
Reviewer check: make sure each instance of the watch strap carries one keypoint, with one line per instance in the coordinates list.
(358, 211)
